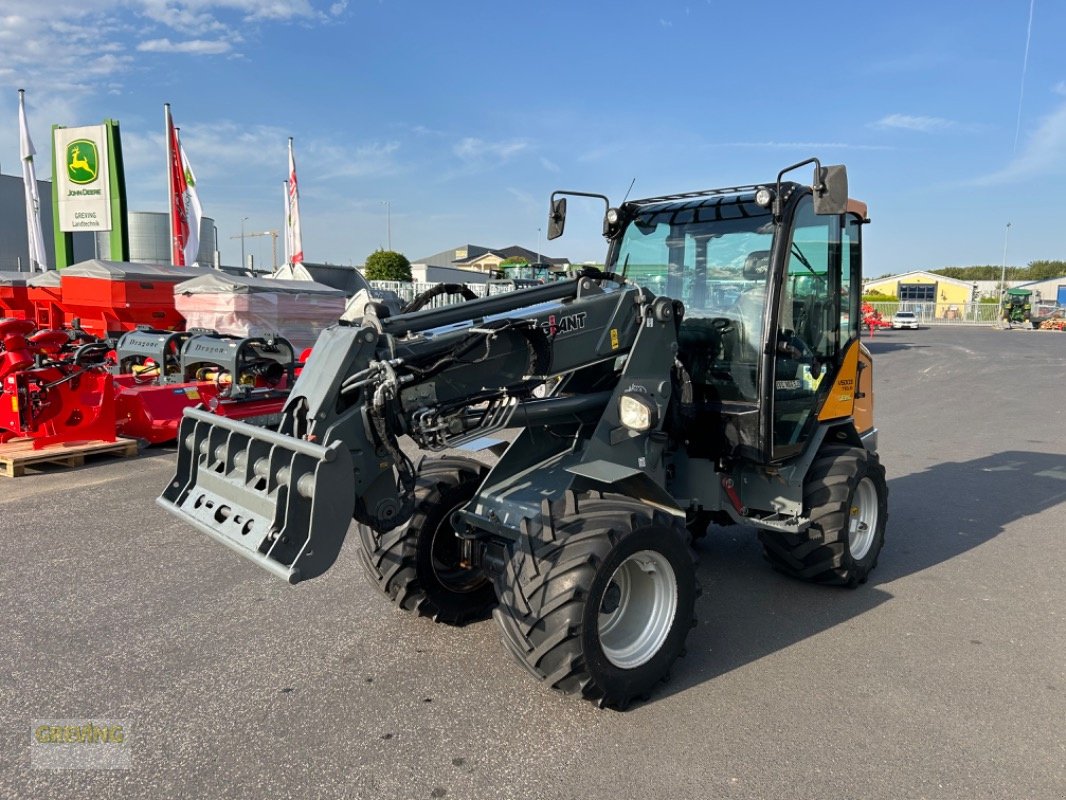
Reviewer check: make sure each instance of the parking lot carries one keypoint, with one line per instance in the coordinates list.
(943, 677)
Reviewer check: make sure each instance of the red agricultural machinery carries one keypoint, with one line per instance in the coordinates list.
(161, 373)
(104, 349)
(872, 319)
(55, 387)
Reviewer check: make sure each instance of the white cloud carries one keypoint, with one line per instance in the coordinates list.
(524, 198)
(803, 145)
(70, 52)
(360, 161)
(551, 166)
(472, 149)
(910, 122)
(271, 9)
(191, 46)
(1044, 153)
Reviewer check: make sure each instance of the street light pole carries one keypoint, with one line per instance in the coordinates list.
(243, 220)
(388, 221)
(538, 245)
(1003, 272)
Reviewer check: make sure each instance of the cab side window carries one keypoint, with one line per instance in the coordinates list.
(809, 326)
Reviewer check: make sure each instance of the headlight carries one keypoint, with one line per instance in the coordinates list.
(638, 412)
(763, 197)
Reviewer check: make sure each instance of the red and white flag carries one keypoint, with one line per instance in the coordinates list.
(292, 223)
(185, 209)
(193, 210)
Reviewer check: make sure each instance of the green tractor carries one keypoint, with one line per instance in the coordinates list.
(1015, 308)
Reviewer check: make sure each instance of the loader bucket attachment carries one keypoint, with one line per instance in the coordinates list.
(281, 502)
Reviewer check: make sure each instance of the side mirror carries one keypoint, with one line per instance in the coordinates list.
(557, 218)
(831, 190)
(756, 265)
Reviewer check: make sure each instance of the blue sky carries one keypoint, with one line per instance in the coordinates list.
(464, 116)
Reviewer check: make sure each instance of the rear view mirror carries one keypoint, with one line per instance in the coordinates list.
(557, 218)
(756, 265)
(831, 190)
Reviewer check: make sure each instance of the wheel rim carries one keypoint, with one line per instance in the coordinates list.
(637, 609)
(862, 522)
(445, 557)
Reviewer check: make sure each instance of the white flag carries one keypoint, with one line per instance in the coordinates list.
(38, 257)
(295, 239)
(193, 209)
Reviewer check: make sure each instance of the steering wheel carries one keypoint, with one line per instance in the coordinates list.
(791, 346)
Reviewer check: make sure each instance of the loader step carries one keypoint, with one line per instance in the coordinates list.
(18, 454)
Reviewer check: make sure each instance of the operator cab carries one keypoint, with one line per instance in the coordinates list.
(771, 291)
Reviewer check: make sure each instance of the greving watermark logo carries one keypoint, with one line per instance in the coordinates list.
(80, 744)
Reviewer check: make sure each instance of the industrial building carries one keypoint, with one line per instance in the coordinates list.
(14, 246)
(482, 261)
(934, 295)
(149, 232)
(150, 238)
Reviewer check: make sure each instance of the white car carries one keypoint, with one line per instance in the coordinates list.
(905, 319)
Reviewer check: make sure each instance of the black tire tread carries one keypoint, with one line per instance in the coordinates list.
(820, 554)
(389, 558)
(541, 594)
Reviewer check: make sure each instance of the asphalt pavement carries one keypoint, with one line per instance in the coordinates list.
(943, 677)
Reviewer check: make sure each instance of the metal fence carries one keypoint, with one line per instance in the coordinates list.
(943, 313)
(409, 290)
(927, 313)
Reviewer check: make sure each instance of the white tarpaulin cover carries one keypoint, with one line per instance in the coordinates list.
(49, 278)
(18, 279)
(240, 306)
(348, 279)
(131, 271)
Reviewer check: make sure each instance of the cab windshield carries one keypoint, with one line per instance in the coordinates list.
(705, 256)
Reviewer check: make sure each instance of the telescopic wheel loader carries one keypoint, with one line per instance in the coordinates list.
(712, 372)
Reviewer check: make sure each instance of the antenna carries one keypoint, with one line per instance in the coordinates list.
(628, 190)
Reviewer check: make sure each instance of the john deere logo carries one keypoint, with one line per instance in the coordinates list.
(82, 161)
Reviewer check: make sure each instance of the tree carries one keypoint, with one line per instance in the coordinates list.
(514, 261)
(387, 265)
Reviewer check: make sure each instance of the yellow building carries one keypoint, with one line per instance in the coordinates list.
(945, 297)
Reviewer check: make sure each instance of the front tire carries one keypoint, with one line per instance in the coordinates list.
(846, 497)
(601, 602)
(418, 565)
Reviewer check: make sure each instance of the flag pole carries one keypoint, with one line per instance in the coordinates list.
(26, 189)
(168, 126)
(288, 228)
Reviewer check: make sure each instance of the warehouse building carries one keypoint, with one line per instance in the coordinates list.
(149, 232)
(14, 246)
(1051, 290)
(930, 294)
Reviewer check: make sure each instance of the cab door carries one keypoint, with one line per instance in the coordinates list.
(808, 328)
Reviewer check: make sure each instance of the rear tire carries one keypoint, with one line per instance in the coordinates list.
(600, 603)
(846, 498)
(417, 565)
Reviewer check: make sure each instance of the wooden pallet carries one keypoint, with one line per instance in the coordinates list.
(18, 454)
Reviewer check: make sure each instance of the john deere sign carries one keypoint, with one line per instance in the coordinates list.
(82, 180)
